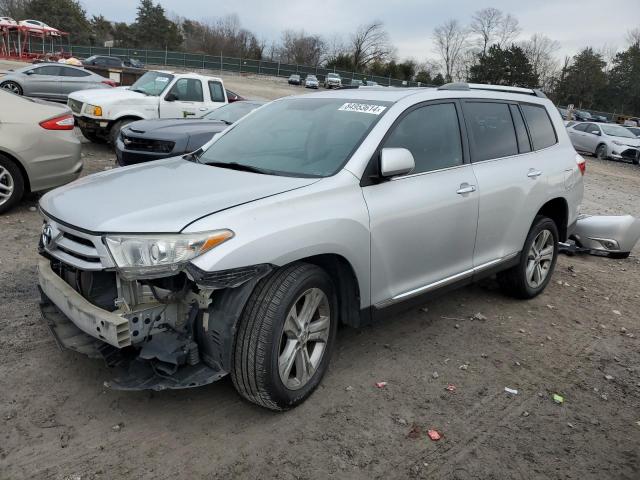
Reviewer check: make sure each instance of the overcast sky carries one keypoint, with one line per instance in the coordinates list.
(410, 23)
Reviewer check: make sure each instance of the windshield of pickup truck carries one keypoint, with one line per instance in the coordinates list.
(152, 83)
(300, 137)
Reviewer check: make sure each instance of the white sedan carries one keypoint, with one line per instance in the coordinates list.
(7, 22)
(605, 140)
(38, 26)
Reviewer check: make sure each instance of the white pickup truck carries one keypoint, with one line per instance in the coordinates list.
(101, 113)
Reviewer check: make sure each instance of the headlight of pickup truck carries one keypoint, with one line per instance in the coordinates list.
(93, 110)
(153, 256)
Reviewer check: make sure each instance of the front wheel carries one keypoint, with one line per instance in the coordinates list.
(285, 337)
(601, 152)
(537, 261)
(13, 87)
(92, 136)
(115, 130)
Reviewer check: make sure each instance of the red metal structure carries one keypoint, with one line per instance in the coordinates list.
(21, 42)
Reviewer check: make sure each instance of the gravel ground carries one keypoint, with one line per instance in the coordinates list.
(580, 339)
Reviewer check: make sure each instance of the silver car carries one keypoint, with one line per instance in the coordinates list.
(311, 82)
(52, 81)
(335, 207)
(605, 141)
(38, 149)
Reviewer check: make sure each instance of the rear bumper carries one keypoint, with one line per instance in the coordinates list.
(54, 160)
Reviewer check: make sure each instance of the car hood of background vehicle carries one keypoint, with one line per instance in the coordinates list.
(111, 96)
(172, 129)
(158, 197)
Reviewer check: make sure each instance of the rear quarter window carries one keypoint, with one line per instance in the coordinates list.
(541, 129)
(491, 130)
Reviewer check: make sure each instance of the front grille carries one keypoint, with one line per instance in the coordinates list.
(630, 154)
(146, 144)
(76, 249)
(75, 105)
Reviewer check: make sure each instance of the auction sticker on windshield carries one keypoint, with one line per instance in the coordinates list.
(363, 108)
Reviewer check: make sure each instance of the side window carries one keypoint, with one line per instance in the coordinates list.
(581, 127)
(542, 133)
(432, 134)
(592, 127)
(491, 130)
(188, 90)
(72, 72)
(114, 62)
(50, 70)
(524, 145)
(216, 91)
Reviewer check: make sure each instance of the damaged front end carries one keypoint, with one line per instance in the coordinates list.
(162, 332)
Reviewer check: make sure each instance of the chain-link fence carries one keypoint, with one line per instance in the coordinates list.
(227, 64)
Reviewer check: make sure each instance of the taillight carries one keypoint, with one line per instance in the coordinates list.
(63, 122)
(582, 164)
(111, 83)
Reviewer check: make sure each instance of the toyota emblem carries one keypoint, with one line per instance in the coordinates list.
(47, 234)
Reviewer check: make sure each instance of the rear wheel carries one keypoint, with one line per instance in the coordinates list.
(13, 87)
(537, 261)
(285, 337)
(11, 184)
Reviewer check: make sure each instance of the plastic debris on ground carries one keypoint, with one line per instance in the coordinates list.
(434, 435)
(479, 316)
(381, 384)
(512, 391)
(451, 387)
(559, 399)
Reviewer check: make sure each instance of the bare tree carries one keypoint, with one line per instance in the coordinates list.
(370, 43)
(300, 48)
(450, 39)
(13, 8)
(485, 24)
(633, 36)
(608, 53)
(508, 31)
(540, 51)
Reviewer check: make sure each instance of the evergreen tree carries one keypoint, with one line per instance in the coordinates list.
(508, 66)
(584, 81)
(153, 29)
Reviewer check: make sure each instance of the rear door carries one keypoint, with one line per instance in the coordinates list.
(72, 80)
(511, 178)
(423, 225)
(185, 99)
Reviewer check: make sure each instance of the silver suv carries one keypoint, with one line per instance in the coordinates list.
(335, 207)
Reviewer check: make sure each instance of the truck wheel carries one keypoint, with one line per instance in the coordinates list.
(285, 336)
(115, 130)
(537, 261)
(92, 136)
(11, 184)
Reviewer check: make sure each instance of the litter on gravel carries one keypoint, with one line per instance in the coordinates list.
(414, 432)
(512, 391)
(434, 435)
(450, 388)
(559, 399)
(381, 384)
(479, 316)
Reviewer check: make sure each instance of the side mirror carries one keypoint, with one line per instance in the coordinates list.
(396, 161)
(171, 97)
(596, 132)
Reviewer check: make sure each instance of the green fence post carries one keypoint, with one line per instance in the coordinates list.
(278, 74)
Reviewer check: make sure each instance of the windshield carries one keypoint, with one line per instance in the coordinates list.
(301, 137)
(334, 75)
(231, 113)
(617, 131)
(152, 83)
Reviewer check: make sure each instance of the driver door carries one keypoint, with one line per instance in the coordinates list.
(45, 82)
(185, 99)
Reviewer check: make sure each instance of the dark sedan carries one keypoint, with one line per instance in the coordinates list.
(148, 140)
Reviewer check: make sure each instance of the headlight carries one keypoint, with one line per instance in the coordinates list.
(93, 110)
(152, 256)
(616, 142)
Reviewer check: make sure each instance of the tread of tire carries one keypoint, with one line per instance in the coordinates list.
(252, 339)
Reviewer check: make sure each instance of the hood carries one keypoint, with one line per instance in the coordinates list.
(160, 129)
(631, 142)
(112, 96)
(158, 197)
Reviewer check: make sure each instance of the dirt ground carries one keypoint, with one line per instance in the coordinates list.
(580, 339)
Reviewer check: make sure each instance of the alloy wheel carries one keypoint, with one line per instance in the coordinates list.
(6, 185)
(540, 258)
(12, 87)
(304, 338)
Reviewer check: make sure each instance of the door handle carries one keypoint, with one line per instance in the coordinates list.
(534, 173)
(203, 109)
(466, 188)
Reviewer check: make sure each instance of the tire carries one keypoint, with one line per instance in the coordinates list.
(601, 152)
(13, 87)
(115, 130)
(619, 255)
(261, 342)
(11, 184)
(92, 136)
(517, 281)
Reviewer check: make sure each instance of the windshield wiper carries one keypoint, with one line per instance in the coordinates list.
(140, 91)
(238, 166)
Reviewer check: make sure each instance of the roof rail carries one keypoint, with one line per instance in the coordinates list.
(493, 88)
